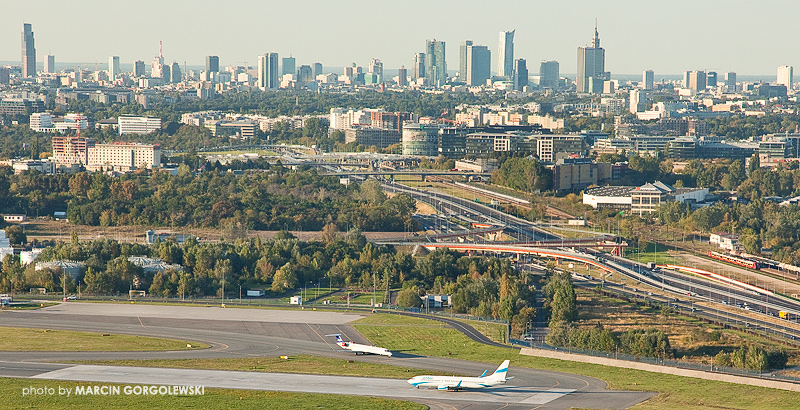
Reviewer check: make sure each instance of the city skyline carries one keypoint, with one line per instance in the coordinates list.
(634, 41)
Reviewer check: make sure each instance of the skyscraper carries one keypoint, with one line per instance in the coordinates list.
(175, 74)
(435, 64)
(520, 74)
(549, 76)
(113, 67)
(268, 71)
(138, 68)
(730, 81)
(212, 64)
(697, 80)
(166, 73)
(317, 69)
(376, 67)
(711, 79)
(591, 67)
(462, 62)
(305, 74)
(402, 76)
(50, 63)
(647, 80)
(289, 66)
(157, 67)
(479, 65)
(505, 54)
(418, 68)
(638, 101)
(28, 51)
(785, 76)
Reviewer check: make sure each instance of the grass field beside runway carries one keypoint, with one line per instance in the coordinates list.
(675, 392)
(11, 390)
(304, 364)
(24, 339)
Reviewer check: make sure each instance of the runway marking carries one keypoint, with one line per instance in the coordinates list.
(140, 321)
(320, 336)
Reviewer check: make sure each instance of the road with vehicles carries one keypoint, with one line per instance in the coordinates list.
(760, 311)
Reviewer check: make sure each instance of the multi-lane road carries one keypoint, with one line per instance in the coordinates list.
(759, 311)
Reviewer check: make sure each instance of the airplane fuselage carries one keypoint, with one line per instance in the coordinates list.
(453, 383)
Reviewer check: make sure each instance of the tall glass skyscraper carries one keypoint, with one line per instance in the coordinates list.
(435, 65)
(28, 51)
(462, 63)
(479, 65)
(268, 71)
(505, 54)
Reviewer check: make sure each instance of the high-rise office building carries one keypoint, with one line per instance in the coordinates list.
(647, 80)
(268, 71)
(786, 76)
(479, 65)
(686, 78)
(520, 74)
(113, 67)
(638, 100)
(50, 63)
(5, 73)
(166, 73)
(212, 64)
(305, 74)
(697, 81)
(317, 69)
(138, 69)
(418, 68)
(289, 66)
(402, 76)
(711, 79)
(549, 76)
(591, 67)
(376, 67)
(462, 61)
(435, 64)
(175, 74)
(157, 67)
(505, 54)
(730, 81)
(28, 51)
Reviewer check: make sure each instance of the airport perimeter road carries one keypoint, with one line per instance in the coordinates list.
(266, 335)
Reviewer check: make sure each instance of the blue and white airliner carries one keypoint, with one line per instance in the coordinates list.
(454, 383)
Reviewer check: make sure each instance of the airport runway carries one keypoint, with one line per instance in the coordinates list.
(257, 332)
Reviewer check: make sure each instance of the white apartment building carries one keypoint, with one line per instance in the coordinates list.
(123, 157)
(138, 125)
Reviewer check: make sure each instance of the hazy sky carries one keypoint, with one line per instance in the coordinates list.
(748, 37)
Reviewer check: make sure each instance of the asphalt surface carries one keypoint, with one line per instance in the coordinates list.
(266, 335)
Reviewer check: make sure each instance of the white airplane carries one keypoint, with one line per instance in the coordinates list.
(460, 383)
(359, 348)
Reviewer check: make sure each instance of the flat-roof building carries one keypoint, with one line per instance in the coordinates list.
(138, 125)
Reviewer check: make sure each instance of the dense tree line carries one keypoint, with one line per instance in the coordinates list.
(263, 200)
(752, 357)
(488, 287)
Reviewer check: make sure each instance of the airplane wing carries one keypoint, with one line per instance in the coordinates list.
(450, 386)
